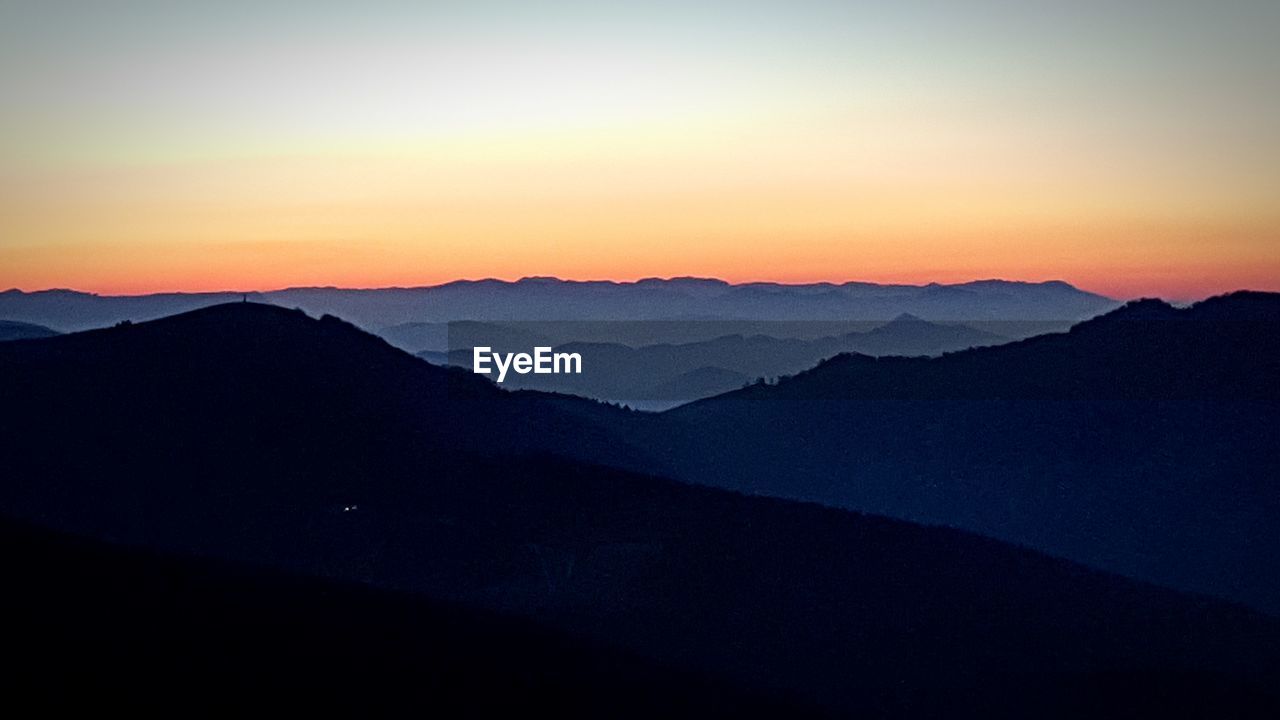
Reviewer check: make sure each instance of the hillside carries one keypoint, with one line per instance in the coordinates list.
(1143, 441)
(105, 626)
(674, 373)
(262, 437)
(551, 299)
(13, 330)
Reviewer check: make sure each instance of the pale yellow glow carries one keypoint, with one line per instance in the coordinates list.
(350, 155)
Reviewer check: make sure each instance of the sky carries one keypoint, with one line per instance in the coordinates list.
(1129, 148)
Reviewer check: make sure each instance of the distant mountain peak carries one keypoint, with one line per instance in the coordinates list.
(906, 318)
(1145, 305)
(1143, 310)
(551, 298)
(1239, 305)
(15, 330)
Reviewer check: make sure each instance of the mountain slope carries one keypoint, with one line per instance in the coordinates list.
(550, 299)
(13, 330)
(1143, 441)
(260, 436)
(908, 335)
(105, 626)
(677, 372)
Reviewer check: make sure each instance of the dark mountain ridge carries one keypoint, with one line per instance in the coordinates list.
(262, 437)
(1145, 349)
(1143, 441)
(14, 330)
(673, 373)
(106, 626)
(548, 299)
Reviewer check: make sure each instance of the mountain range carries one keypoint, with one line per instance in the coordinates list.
(1139, 443)
(667, 374)
(651, 343)
(1142, 442)
(14, 330)
(551, 299)
(129, 628)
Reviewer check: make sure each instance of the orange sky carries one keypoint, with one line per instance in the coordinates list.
(249, 147)
(734, 214)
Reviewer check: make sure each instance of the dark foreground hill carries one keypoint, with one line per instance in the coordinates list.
(265, 438)
(1145, 442)
(92, 627)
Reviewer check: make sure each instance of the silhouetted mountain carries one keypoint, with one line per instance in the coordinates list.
(422, 337)
(549, 299)
(642, 351)
(675, 373)
(435, 358)
(259, 436)
(1143, 442)
(13, 330)
(909, 336)
(418, 337)
(698, 383)
(94, 627)
(69, 310)
(461, 335)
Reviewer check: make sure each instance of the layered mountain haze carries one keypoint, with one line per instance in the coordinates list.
(1142, 441)
(661, 375)
(265, 438)
(13, 330)
(651, 343)
(641, 359)
(551, 299)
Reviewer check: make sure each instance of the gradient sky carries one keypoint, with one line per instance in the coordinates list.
(1131, 148)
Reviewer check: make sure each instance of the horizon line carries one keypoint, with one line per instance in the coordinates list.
(577, 281)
